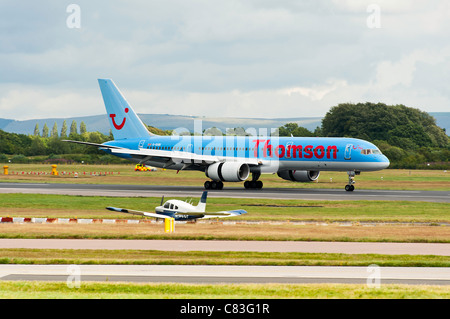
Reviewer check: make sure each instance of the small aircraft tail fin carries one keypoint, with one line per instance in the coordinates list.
(123, 120)
(202, 203)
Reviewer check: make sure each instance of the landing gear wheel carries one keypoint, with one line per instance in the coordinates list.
(253, 184)
(349, 188)
(213, 185)
(351, 180)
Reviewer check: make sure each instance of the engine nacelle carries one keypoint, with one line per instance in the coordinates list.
(299, 176)
(228, 172)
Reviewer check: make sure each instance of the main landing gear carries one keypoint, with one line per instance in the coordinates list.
(213, 185)
(254, 183)
(351, 180)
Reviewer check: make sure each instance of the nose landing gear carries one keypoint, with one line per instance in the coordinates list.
(351, 180)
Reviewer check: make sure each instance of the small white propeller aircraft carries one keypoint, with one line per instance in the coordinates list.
(180, 210)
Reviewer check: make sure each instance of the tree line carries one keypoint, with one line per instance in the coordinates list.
(409, 137)
(48, 146)
(54, 132)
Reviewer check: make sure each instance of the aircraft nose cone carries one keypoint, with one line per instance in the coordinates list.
(385, 162)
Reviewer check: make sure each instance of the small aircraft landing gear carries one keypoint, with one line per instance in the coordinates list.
(213, 185)
(351, 180)
(254, 183)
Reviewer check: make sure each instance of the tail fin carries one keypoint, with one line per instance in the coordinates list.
(202, 203)
(123, 120)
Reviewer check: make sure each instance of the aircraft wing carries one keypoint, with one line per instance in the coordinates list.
(170, 158)
(178, 157)
(221, 214)
(136, 212)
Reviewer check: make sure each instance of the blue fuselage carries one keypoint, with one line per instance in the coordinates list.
(272, 153)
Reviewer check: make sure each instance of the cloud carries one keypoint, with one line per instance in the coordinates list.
(21, 102)
(230, 58)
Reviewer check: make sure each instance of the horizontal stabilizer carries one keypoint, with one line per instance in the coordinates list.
(92, 144)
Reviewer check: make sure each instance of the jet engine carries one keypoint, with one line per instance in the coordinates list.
(228, 172)
(299, 176)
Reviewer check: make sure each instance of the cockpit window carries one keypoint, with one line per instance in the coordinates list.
(370, 151)
(166, 205)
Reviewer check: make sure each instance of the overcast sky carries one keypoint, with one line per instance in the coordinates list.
(229, 58)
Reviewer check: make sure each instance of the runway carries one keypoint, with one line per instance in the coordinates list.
(228, 274)
(228, 192)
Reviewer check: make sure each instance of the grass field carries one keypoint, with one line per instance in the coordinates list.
(279, 219)
(145, 257)
(423, 234)
(64, 206)
(393, 221)
(125, 174)
(91, 290)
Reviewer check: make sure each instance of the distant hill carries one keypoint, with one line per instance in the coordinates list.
(442, 120)
(170, 122)
(161, 121)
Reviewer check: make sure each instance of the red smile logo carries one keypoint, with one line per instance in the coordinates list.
(118, 127)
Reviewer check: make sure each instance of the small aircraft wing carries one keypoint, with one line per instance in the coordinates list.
(137, 212)
(222, 214)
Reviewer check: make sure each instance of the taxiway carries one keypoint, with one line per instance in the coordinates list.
(229, 274)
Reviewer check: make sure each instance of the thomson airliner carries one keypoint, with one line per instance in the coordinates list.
(234, 158)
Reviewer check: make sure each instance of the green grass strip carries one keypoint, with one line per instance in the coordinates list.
(93, 290)
(153, 257)
(64, 206)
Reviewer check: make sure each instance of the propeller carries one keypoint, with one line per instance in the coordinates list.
(162, 200)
